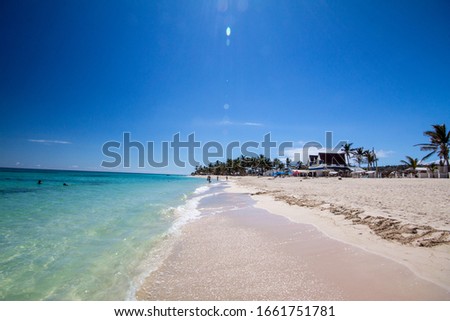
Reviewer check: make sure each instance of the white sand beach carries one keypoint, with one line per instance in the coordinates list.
(315, 247)
(406, 220)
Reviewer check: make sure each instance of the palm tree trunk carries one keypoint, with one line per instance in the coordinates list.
(446, 166)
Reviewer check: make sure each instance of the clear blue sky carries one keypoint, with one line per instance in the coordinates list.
(76, 74)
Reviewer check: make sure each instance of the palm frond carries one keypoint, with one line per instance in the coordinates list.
(427, 156)
(427, 146)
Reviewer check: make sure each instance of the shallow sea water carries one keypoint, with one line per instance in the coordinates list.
(90, 240)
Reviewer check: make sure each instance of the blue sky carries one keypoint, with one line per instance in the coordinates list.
(76, 74)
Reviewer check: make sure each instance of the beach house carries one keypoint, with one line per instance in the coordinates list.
(328, 164)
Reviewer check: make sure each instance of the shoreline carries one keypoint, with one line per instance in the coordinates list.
(239, 250)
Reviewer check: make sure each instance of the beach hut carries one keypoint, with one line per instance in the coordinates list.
(393, 174)
(418, 172)
(328, 163)
(358, 172)
(371, 174)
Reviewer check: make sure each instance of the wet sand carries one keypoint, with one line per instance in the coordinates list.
(237, 251)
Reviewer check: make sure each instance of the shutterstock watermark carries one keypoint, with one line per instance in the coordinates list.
(119, 153)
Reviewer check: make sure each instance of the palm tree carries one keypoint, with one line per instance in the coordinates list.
(368, 158)
(264, 163)
(359, 154)
(371, 158)
(254, 163)
(288, 163)
(276, 163)
(439, 143)
(347, 147)
(375, 159)
(236, 166)
(411, 163)
(432, 168)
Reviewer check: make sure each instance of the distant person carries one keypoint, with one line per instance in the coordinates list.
(226, 177)
(217, 178)
(208, 179)
(39, 182)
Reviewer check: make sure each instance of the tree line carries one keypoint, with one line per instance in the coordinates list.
(438, 144)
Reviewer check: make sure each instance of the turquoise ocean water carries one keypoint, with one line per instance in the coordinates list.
(90, 240)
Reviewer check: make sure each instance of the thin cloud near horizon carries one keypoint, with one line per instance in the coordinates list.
(252, 124)
(48, 141)
(228, 122)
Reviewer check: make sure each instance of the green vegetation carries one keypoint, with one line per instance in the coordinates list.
(412, 163)
(439, 144)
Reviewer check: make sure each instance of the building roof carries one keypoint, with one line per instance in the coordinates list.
(333, 158)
